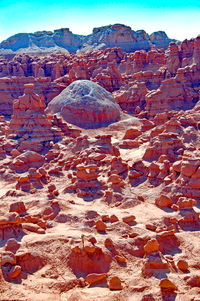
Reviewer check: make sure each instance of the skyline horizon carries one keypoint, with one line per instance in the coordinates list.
(90, 31)
(178, 19)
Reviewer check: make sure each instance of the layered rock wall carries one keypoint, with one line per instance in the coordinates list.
(117, 35)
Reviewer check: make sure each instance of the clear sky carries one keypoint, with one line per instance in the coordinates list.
(180, 19)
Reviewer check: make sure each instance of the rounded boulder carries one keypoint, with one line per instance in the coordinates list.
(85, 104)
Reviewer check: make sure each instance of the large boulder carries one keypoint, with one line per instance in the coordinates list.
(27, 160)
(85, 104)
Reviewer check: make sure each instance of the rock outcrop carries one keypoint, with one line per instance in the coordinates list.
(117, 35)
(29, 123)
(86, 104)
(11, 87)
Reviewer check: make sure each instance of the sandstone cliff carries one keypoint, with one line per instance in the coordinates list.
(116, 35)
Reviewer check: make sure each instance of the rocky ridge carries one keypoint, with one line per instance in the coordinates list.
(117, 35)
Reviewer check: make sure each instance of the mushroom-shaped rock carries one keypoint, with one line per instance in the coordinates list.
(12, 245)
(85, 104)
(151, 246)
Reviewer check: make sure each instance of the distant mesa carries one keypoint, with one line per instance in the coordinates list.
(85, 104)
(117, 35)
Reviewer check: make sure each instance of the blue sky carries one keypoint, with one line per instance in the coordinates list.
(179, 19)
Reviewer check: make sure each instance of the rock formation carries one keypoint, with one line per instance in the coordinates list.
(117, 35)
(86, 104)
(29, 123)
(139, 81)
(110, 212)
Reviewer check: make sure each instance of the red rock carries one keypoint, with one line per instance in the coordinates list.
(10, 218)
(120, 259)
(104, 77)
(113, 218)
(151, 246)
(160, 91)
(100, 226)
(189, 215)
(92, 239)
(177, 166)
(196, 51)
(115, 283)
(89, 248)
(194, 281)
(186, 203)
(51, 187)
(182, 265)
(105, 218)
(18, 207)
(194, 183)
(129, 144)
(132, 133)
(23, 179)
(14, 272)
(131, 97)
(188, 168)
(133, 234)
(167, 285)
(87, 172)
(15, 153)
(8, 257)
(153, 263)
(118, 166)
(90, 214)
(173, 60)
(30, 262)
(169, 236)
(9, 230)
(164, 144)
(151, 227)
(128, 219)
(33, 228)
(163, 201)
(12, 245)
(153, 170)
(169, 91)
(29, 122)
(115, 179)
(95, 261)
(26, 160)
(94, 278)
(109, 243)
